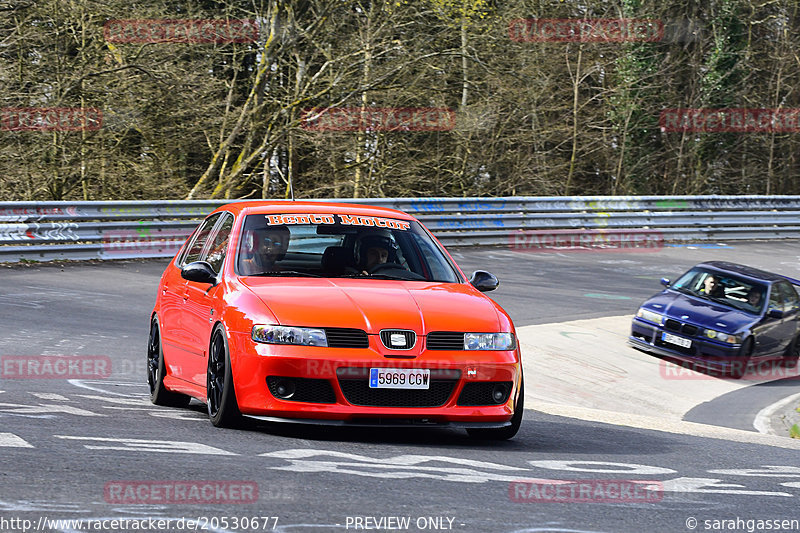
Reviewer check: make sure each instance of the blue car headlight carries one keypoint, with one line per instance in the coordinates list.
(650, 316)
(721, 336)
(489, 341)
(289, 335)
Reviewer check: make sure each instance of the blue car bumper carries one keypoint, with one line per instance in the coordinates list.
(702, 352)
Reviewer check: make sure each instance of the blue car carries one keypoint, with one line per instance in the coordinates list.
(722, 317)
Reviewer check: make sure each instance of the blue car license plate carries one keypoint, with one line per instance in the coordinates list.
(674, 339)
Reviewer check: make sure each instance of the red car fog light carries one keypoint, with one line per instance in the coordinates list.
(284, 388)
(500, 393)
(485, 393)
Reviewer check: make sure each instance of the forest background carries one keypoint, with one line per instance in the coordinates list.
(531, 116)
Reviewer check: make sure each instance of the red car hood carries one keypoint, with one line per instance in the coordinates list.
(373, 305)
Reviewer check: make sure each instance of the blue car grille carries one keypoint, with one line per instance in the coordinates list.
(687, 329)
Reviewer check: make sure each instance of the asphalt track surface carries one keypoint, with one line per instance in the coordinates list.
(63, 442)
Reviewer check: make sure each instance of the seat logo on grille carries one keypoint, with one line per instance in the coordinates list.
(398, 339)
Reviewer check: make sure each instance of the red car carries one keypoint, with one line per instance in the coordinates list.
(331, 314)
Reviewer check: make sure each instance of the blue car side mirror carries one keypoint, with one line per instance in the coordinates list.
(665, 282)
(775, 313)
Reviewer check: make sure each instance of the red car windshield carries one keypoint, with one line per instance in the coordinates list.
(323, 245)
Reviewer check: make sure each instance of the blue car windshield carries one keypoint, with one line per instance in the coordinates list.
(723, 288)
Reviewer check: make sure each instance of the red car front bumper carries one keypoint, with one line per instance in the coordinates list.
(331, 384)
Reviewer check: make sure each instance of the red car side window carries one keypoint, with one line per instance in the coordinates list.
(215, 255)
(196, 247)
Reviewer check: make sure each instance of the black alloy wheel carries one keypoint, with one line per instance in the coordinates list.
(221, 397)
(159, 394)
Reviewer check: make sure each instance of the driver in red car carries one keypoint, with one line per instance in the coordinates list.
(374, 250)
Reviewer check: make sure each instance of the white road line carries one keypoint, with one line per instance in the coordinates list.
(397, 467)
(43, 409)
(85, 384)
(128, 401)
(761, 422)
(50, 396)
(140, 445)
(9, 440)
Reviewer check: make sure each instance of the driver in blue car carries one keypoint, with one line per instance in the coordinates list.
(712, 287)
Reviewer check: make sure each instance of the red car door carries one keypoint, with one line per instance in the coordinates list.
(172, 288)
(176, 340)
(198, 311)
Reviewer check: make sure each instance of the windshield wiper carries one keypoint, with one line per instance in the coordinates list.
(388, 276)
(401, 278)
(287, 273)
(382, 276)
(684, 290)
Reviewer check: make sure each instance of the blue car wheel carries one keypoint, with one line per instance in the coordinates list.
(792, 353)
(741, 362)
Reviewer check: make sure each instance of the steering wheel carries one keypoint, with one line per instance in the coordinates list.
(385, 266)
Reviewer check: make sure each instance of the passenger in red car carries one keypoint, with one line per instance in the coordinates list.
(263, 247)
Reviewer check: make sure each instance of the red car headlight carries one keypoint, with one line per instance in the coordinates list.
(489, 341)
(270, 334)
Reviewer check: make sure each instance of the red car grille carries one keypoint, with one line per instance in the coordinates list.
(358, 392)
(445, 340)
(347, 338)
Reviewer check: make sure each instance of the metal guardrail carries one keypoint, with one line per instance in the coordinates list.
(45, 231)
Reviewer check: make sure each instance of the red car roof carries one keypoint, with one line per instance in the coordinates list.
(288, 206)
